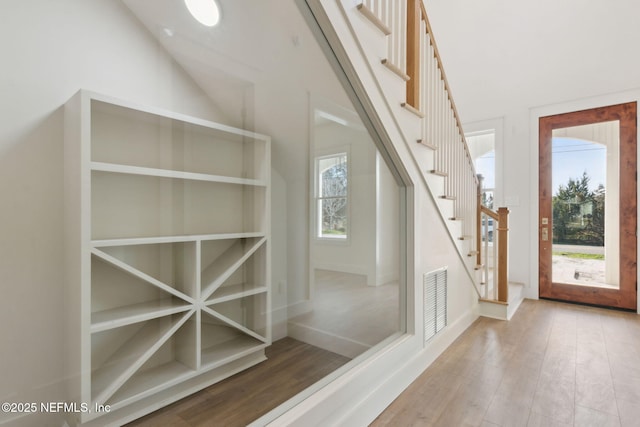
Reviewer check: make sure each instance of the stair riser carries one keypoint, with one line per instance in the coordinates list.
(436, 183)
(371, 37)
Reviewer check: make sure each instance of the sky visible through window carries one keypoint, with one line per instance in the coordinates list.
(486, 166)
(572, 157)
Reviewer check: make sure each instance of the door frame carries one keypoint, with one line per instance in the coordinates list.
(626, 296)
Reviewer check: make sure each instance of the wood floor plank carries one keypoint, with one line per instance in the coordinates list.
(291, 367)
(553, 364)
(547, 366)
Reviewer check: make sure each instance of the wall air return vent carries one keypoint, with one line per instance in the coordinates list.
(435, 302)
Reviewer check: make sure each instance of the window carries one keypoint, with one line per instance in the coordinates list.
(483, 151)
(332, 200)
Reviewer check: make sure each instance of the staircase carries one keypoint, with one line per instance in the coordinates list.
(397, 41)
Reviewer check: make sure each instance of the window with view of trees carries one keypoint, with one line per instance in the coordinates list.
(332, 196)
(578, 213)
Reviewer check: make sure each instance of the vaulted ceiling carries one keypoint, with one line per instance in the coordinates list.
(264, 42)
(500, 56)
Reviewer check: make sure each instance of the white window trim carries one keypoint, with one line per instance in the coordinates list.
(316, 212)
(496, 125)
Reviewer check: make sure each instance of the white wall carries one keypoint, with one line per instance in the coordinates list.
(50, 50)
(356, 254)
(387, 225)
(281, 110)
(279, 265)
(500, 64)
(288, 127)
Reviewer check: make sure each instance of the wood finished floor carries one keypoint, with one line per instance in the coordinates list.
(291, 367)
(553, 364)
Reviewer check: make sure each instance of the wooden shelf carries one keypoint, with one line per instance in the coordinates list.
(142, 206)
(174, 239)
(166, 173)
(140, 274)
(127, 359)
(228, 351)
(129, 314)
(118, 106)
(229, 293)
(149, 382)
(226, 321)
(226, 264)
(167, 215)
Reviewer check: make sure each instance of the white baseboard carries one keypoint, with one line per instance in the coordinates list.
(372, 405)
(326, 340)
(298, 308)
(279, 323)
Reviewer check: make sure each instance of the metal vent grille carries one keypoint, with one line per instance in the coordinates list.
(435, 302)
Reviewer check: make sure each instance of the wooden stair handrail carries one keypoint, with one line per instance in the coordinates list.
(501, 218)
(485, 210)
(479, 220)
(414, 15)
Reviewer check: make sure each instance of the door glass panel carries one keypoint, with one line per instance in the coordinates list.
(585, 205)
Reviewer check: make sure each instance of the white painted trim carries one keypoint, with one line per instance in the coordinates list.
(534, 116)
(112, 101)
(497, 125)
(317, 155)
(513, 307)
(279, 323)
(343, 268)
(298, 308)
(326, 340)
(493, 310)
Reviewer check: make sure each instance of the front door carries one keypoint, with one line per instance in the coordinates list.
(587, 224)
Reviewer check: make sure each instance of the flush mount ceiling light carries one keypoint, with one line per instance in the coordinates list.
(205, 12)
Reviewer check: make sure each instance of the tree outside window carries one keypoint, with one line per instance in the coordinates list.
(332, 196)
(578, 213)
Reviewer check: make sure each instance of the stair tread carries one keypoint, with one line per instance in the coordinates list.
(374, 19)
(397, 71)
(412, 110)
(426, 144)
(493, 301)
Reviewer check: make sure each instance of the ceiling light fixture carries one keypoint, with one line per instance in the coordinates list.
(205, 12)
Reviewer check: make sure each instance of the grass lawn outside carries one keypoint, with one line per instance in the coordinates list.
(580, 256)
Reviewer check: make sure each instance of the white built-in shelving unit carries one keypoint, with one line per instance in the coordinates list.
(167, 254)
